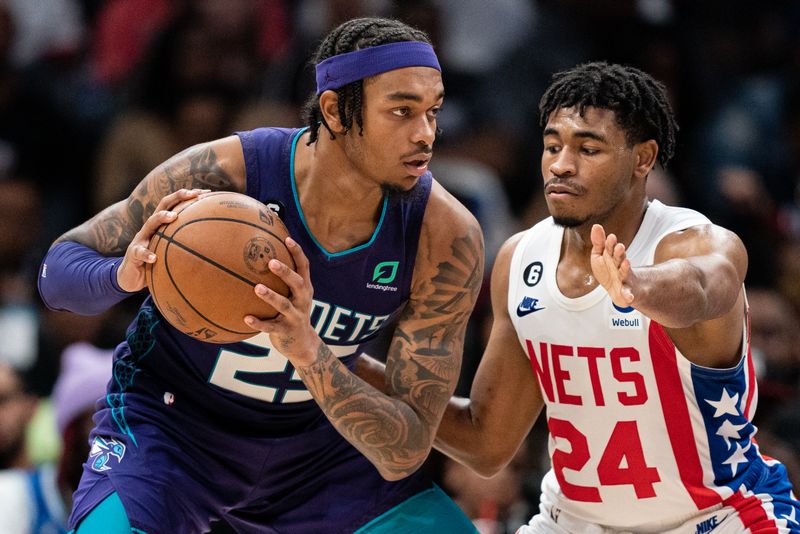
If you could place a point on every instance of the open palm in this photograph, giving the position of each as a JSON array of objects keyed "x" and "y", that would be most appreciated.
[{"x": 610, "y": 266}]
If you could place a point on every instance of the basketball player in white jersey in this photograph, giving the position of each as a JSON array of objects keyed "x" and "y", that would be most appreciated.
[{"x": 627, "y": 320}]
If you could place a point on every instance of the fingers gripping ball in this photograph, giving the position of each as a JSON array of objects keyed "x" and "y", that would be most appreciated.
[{"x": 210, "y": 258}]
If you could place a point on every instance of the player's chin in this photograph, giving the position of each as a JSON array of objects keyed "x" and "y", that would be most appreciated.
[
  {"x": 568, "y": 220},
  {"x": 401, "y": 187}
]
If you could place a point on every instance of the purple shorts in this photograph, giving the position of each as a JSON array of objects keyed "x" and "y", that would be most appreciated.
[{"x": 174, "y": 473}]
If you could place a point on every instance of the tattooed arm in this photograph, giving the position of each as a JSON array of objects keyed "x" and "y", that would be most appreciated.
[
  {"x": 218, "y": 165},
  {"x": 485, "y": 431},
  {"x": 395, "y": 429},
  {"x": 126, "y": 227}
]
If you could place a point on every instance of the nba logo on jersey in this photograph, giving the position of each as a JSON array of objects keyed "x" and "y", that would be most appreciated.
[{"x": 624, "y": 318}]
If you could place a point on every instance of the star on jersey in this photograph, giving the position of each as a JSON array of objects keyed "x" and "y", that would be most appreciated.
[
  {"x": 737, "y": 457},
  {"x": 729, "y": 431},
  {"x": 791, "y": 517},
  {"x": 726, "y": 404}
]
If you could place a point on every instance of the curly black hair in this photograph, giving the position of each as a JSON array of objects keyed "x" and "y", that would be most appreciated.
[
  {"x": 639, "y": 101},
  {"x": 354, "y": 35}
]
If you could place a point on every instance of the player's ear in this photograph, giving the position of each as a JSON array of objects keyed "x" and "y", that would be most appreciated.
[
  {"x": 329, "y": 107},
  {"x": 646, "y": 153}
]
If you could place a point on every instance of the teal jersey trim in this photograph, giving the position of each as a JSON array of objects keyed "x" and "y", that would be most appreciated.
[
  {"x": 125, "y": 370},
  {"x": 117, "y": 403},
  {"x": 328, "y": 254},
  {"x": 429, "y": 512}
]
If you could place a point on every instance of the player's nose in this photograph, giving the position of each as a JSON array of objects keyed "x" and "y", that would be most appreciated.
[
  {"x": 563, "y": 164},
  {"x": 424, "y": 130}
]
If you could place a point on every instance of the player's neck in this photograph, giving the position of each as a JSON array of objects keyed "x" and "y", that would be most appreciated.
[
  {"x": 341, "y": 208},
  {"x": 624, "y": 223},
  {"x": 325, "y": 177}
]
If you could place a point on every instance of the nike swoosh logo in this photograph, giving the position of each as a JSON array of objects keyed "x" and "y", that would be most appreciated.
[{"x": 522, "y": 311}]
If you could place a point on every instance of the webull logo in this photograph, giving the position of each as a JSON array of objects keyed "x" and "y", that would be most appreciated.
[
  {"x": 624, "y": 322},
  {"x": 624, "y": 318}
]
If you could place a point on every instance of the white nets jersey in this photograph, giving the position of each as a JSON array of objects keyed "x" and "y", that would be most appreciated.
[{"x": 640, "y": 438}]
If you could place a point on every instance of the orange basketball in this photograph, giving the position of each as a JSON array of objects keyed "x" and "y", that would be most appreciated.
[{"x": 210, "y": 258}]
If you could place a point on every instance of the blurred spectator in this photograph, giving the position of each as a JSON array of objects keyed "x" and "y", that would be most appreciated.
[
  {"x": 20, "y": 220},
  {"x": 197, "y": 115},
  {"x": 495, "y": 505},
  {"x": 196, "y": 77},
  {"x": 126, "y": 29},
  {"x": 44, "y": 28},
  {"x": 33, "y": 121},
  {"x": 661, "y": 186},
  {"x": 789, "y": 267},
  {"x": 775, "y": 342},
  {"x": 773, "y": 444},
  {"x": 480, "y": 190},
  {"x": 34, "y": 499},
  {"x": 123, "y": 31},
  {"x": 17, "y": 406},
  {"x": 751, "y": 213},
  {"x": 85, "y": 372},
  {"x": 779, "y": 435}
]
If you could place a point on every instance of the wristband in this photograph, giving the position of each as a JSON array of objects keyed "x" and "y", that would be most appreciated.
[{"x": 76, "y": 278}]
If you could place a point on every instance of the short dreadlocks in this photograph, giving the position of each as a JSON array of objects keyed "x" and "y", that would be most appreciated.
[{"x": 639, "y": 102}]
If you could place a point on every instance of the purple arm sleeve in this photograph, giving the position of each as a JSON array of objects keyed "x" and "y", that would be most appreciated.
[{"x": 79, "y": 279}]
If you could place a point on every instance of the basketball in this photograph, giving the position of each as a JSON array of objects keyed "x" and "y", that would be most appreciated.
[{"x": 209, "y": 260}]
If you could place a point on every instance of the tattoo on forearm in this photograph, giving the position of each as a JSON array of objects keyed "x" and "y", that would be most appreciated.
[
  {"x": 458, "y": 283},
  {"x": 374, "y": 424},
  {"x": 422, "y": 368},
  {"x": 112, "y": 230}
]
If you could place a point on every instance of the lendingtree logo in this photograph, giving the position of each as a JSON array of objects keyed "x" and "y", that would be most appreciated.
[{"x": 385, "y": 272}]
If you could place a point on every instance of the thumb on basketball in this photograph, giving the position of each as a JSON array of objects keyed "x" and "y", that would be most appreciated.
[{"x": 131, "y": 272}]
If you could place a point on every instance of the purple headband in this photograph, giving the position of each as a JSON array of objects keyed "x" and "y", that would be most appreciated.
[{"x": 337, "y": 71}]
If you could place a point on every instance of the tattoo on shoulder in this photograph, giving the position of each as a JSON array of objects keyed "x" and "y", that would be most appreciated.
[
  {"x": 441, "y": 315},
  {"x": 206, "y": 173},
  {"x": 112, "y": 230},
  {"x": 432, "y": 332},
  {"x": 194, "y": 168}
]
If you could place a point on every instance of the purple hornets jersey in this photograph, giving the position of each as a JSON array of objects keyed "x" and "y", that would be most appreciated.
[
  {"x": 249, "y": 387},
  {"x": 191, "y": 432}
]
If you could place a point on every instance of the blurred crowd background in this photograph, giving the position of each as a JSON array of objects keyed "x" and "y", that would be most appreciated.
[{"x": 95, "y": 93}]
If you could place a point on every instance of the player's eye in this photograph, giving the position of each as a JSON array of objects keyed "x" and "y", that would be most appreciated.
[
  {"x": 401, "y": 112},
  {"x": 552, "y": 149}
]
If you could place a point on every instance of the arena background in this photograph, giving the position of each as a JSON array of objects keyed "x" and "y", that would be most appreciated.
[{"x": 94, "y": 93}]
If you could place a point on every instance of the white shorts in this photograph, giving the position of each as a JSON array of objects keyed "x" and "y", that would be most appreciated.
[{"x": 723, "y": 520}]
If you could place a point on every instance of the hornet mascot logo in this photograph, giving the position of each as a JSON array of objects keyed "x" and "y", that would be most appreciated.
[{"x": 102, "y": 451}]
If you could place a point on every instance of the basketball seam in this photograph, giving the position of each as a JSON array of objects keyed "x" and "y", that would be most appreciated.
[
  {"x": 178, "y": 289},
  {"x": 171, "y": 240},
  {"x": 228, "y": 219}
]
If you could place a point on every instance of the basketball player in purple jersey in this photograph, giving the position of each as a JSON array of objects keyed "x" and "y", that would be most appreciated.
[
  {"x": 627, "y": 321},
  {"x": 275, "y": 433}
]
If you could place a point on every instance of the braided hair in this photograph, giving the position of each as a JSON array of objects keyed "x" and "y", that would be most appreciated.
[
  {"x": 638, "y": 101},
  {"x": 350, "y": 36}
]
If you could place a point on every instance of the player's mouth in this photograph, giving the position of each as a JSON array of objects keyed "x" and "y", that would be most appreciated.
[
  {"x": 561, "y": 189},
  {"x": 417, "y": 167}
]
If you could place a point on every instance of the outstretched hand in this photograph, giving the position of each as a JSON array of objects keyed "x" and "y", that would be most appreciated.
[
  {"x": 130, "y": 275},
  {"x": 290, "y": 331},
  {"x": 611, "y": 267}
]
